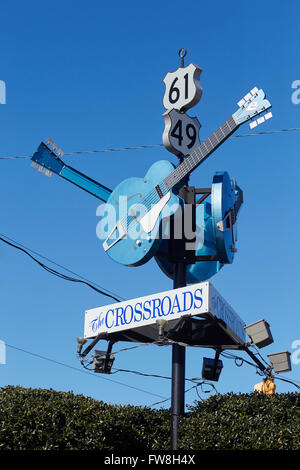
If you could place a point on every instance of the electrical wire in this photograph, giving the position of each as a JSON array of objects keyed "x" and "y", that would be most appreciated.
[
  {"x": 257, "y": 353},
  {"x": 132, "y": 347},
  {"x": 120, "y": 149},
  {"x": 142, "y": 147},
  {"x": 90, "y": 284},
  {"x": 242, "y": 360},
  {"x": 82, "y": 371},
  {"x": 199, "y": 384},
  {"x": 276, "y": 376},
  {"x": 160, "y": 376},
  {"x": 275, "y": 131}
]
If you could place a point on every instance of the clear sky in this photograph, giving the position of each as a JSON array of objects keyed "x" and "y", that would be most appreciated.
[{"x": 90, "y": 76}]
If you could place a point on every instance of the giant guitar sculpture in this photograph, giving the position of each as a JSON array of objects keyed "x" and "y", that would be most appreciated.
[
  {"x": 215, "y": 221},
  {"x": 133, "y": 239}
]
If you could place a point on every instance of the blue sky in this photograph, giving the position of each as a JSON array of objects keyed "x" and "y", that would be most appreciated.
[{"x": 89, "y": 75}]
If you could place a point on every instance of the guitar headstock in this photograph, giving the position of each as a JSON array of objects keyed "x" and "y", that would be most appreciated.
[
  {"x": 253, "y": 104},
  {"x": 46, "y": 158}
]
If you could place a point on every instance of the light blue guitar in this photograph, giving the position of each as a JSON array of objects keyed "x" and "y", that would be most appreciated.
[
  {"x": 137, "y": 206},
  {"x": 215, "y": 221}
]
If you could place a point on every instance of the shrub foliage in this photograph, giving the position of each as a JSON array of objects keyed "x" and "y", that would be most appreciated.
[{"x": 49, "y": 420}]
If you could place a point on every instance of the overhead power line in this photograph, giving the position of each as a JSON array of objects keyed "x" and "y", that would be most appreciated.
[
  {"x": 229, "y": 355},
  {"x": 119, "y": 149},
  {"x": 79, "y": 279},
  {"x": 196, "y": 386},
  {"x": 39, "y": 356},
  {"x": 142, "y": 147}
]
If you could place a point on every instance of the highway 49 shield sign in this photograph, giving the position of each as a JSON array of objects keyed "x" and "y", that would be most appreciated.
[{"x": 181, "y": 134}]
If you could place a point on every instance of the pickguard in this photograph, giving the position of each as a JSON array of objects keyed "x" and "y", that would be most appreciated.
[{"x": 149, "y": 220}]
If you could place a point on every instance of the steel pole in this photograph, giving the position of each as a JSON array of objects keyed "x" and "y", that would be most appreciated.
[
  {"x": 178, "y": 352},
  {"x": 178, "y": 368}
]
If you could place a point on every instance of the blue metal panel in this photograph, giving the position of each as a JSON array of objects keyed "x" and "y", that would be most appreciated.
[
  {"x": 223, "y": 215},
  {"x": 205, "y": 246}
]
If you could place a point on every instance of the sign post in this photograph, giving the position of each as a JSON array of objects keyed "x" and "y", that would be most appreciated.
[
  {"x": 178, "y": 368},
  {"x": 183, "y": 90}
]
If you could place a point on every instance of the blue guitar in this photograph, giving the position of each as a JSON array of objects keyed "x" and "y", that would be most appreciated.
[
  {"x": 215, "y": 220},
  {"x": 137, "y": 206}
]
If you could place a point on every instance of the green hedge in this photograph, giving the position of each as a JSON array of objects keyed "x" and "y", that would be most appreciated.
[{"x": 46, "y": 419}]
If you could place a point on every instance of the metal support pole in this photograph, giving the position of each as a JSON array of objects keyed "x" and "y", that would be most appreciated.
[
  {"x": 178, "y": 368},
  {"x": 178, "y": 352}
]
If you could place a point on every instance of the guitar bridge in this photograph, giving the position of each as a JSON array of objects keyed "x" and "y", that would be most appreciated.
[{"x": 159, "y": 191}]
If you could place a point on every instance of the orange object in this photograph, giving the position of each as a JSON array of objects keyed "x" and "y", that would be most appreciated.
[{"x": 267, "y": 386}]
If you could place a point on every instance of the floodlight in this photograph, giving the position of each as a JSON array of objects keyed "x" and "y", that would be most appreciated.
[
  {"x": 280, "y": 362},
  {"x": 102, "y": 361},
  {"x": 211, "y": 369},
  {"x": 259, "y": 333}
]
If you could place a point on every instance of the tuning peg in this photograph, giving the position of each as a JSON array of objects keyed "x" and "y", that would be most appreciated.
[
  {"x": 241, "y": 103},
  {"x": 252, "y": 124},
  {"x": 254, "y": 91},
  {"x": 260, "y": 120},
  {"x": 55, "y": 147},
  {"x": 34, "y": 165},
  {"x": 41, "y": 169},
  {"x": 247, "y": 97},
  {"x": 256, "y": 123},
  {"x": 48, "y": 173},
  {"x": 268, "y": 115}
]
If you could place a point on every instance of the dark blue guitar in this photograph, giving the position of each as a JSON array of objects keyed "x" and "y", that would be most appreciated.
[{"x": 132, "y": 231}]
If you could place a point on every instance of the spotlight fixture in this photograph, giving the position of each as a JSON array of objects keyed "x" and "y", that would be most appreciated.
[
  {"x": 211, "y": 368},
  {"x": 102, "y": 361},
  {"x": 259, "y": 333},
  {"x": 280, "y": 362}
]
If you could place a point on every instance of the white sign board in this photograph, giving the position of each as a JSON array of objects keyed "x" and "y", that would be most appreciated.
[{"x": 194, "y": 300}]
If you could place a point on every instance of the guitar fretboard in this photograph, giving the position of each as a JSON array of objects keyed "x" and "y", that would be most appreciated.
[{"x": 200, "y": 153}]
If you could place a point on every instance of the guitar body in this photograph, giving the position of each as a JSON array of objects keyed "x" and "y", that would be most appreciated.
[{"x": 125, "y": 238}]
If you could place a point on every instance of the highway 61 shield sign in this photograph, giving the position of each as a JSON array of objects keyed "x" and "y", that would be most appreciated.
[{"x": 183, "y": 89}]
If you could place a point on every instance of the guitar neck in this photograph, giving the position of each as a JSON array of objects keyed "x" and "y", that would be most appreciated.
[
  {"x": 85, "y": 182},
  {"x": 45, "y": 158},
  {"x": 201, "y": 153}
]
